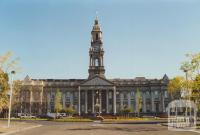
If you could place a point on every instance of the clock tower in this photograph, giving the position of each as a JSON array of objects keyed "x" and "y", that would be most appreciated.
[{"x": 96, "y": 52}]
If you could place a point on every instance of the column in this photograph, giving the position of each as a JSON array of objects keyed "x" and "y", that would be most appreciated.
[
  {"x": 107, "y": 101},
  {"x": 152, "y": 102},
  {"x": 71, "y": 99},
  {"x": 163, "y": 101},
  {"x": 129, "y": 99},
  {"x": 92, "y": 101},
  {"x": 63, "y": 99},
  {"x": 93, "y": 62},
  {"x": 86, "y": 104},
  {"x": 48, "y": 102},
  {"x": 79, "y": 100},
  {"x": 114, "y": 100},
  {"x": 121, "y": 100},
  {"x": 100, "y": 101},
  {"x": 144, "y": 102},
  {"x": 102, "y": 61},
  {"x": 136, "y": 102},
  {"x": 21, "y": 100},
  {"x": 31, "y": 94},
  {"x": 41, "y": 95}
]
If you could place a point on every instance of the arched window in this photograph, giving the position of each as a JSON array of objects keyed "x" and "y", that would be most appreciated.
[{"x": 96, "y": 62}]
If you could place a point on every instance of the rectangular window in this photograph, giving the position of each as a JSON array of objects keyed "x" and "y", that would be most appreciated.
[{"x": 132, "y": 93}]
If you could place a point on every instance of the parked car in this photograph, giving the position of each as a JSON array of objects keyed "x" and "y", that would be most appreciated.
[
  {"x": 44, "y": 116},
  {"x": 27, "y": 116},
  {"x": 61, "y": 115}
]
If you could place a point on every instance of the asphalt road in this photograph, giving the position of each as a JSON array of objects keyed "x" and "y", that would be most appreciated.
[{"x": 62, "y": 128}]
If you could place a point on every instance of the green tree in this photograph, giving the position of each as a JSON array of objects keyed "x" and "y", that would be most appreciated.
[
  {"x": 69, "y": 111},
  {"x": 196, "y": 91},
  {"x": 174, "y": 87},
  {"x": 57, "y": 102},
  {"x": 138, "y": 102},
  {"x": 126, "y": 111},
  {"x": 192, "y": 69},
  {"x": 4, "y": 87},
  {"x": 195, "y": 62}
]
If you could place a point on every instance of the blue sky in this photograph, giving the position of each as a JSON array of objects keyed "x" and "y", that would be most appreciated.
[{"x": 141, "y": 37}]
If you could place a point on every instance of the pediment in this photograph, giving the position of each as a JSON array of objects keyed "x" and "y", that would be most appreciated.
[{"x": 97, "y": 81}]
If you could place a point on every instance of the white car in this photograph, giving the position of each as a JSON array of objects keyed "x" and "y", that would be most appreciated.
[{"x": 28, "y": 116}]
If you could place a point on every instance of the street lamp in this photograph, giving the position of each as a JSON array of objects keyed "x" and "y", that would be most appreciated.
[
  {"x": 11, "y": 89},
  {"x": 187, "y": 87}
]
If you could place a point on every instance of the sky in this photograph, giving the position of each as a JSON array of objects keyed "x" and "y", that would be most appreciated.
[{"x": 142, "y": 38}]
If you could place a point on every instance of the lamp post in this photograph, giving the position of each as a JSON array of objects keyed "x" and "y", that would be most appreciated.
[
  {"x": 187, "y": 88},
  {"x": 10, "y": 103}
]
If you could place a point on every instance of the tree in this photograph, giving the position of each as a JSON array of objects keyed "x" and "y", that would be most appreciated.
[
  {"x": 138, "y": 102},
  {"x": 6, "y": 65},
  {"x": 126, "y": 111},
  {"x": 196, "y": 91},
  {"x": 4, "y": 87},
  {"x": 17, "y": 87},
  {"x": 174, "y": 87},
  {"x": 57, "y": 102},
  {"x": 192, "y": 69},
  {"x": 187, "y": 68},
  {"x": 69, "y": 111},
  {"x": 195, "y": 62}
]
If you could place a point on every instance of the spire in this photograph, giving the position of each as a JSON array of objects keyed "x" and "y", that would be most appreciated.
[
  {"x": 96, "y": 26},
  {"x": 96, "y": 20}
]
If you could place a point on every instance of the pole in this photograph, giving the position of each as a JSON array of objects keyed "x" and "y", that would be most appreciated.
[
  {"x": 186, "y": 76},
  {"x": 10, "y": 103}
]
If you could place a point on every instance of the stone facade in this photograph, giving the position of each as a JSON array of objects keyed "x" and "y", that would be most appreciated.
[{"x": 112, "y": 95}]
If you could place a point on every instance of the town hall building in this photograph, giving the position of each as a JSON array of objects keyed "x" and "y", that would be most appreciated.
[{"x": 84, "y": 95}]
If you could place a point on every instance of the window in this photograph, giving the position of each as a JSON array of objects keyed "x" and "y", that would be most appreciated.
[
  {"x": 132, "y": 93},
  {"x": 67, "y": 94},
  {"x": 96, "y": 62},
  {"x": 125, "y": 95}
]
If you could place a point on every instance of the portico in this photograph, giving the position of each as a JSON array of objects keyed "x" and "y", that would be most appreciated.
[{"x": 97, "y": 88}]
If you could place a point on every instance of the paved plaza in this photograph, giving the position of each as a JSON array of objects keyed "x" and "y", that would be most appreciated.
[{"x": 93, "y": 128}]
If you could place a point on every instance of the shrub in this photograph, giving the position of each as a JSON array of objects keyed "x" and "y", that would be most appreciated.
[{"x": 69, "y": 111}]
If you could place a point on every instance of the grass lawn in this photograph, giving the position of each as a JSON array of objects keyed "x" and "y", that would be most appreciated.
[
  {"x": 138, "y": 119},
  {"x": 73, "y": 120},
  {"x": 24, "y": 119}
]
